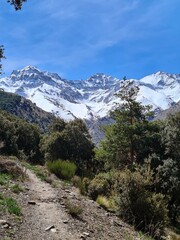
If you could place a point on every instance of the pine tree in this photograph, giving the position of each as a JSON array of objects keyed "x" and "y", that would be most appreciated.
[{"x": 126, "y": 140}]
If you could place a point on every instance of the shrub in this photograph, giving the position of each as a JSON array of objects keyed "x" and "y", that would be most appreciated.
[
  {"x": 85, "y": 186},
  {"x": 5, "y": 178},
  {"x": 12, "y": 206},
  {"x": 76, "y": 180},
  {"x": 82, "y": 184},
  {"x": 73, "y": 209},
  {"x": 136, "y": 205},
  {"x": 103, "y": 202},
  {"x": 62, "y": 169},
  {"x": 9, "y": 204},
  {"x": 100, "y": 185},
  {"x": 16, "y": 188}
]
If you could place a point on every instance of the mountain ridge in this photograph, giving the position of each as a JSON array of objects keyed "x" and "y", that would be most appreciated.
[
  {"x": 89, "y": 99},
  {"x": 25, "y": 109}
]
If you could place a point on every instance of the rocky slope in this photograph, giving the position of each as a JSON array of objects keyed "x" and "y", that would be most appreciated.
[{"x": 172, "y": 110}]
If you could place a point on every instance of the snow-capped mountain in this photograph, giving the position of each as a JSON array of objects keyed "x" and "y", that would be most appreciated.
[{"x": 89, "y": 99}]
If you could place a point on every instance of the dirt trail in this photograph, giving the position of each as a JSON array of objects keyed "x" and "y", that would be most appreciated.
[
  {"x": 45, "y": 213},
  {"x": 94, "y": 223}
]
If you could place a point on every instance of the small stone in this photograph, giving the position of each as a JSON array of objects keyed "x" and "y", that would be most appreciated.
[
  {"x": 6, "y": 226},
  {"x": 32, "y": 202},
  {"x": 117, "y": 223},
  {"x": 66, "y": 190},
  {"x": 86, "y": 234},
  {"x": 53, "y": 230},
  {"x": 64, "y": 197},
  {"x": 65, "y": 221},
  {"x": 49, "y": 228},
  {"x": 72, "y": 194},
  {"x": 3, "y": 222}
]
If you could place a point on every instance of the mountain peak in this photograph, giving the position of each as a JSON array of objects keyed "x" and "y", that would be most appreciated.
[
  {"x": 160, "y": 78},
  {"x": 26, "y": 70},
  {"x": 91, "y": 98},
  {"x": 30, "y": 68},
  {"x": 160, "y": 73},
  {"x": 101, "y": 79}
]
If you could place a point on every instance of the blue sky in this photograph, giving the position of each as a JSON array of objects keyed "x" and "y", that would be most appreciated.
[{"x": 77, "y": 38}]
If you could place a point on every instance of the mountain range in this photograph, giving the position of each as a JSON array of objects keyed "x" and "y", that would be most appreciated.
[{"x": 90, "y": 99}]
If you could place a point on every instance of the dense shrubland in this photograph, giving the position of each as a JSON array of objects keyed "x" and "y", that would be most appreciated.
[
  {"x": 142, "y": 159},
  {"x": 135, "y": 171}
]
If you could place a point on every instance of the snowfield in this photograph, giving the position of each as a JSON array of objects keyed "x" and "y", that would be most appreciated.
[{"x": 88, "y": 99}]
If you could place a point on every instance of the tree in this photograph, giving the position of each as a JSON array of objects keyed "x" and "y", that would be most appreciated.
[
  {"x": 18, "y": 136},
  {"x": 7, "y": 135},
  {"x": 17, "y": 5},
  {"x": 171, "y": 137},
  {"x": 80, "y": 146},
  {"x": 28, "y": 139},
  {"x": 131, "y": 138},
  {"x": 168, "y": 183},
  {"x": 169, "y": 171},
  {"x": 58, "y": 125},
  {"x": 1, "y": 57},
  {"x": 69, "y": 141}
]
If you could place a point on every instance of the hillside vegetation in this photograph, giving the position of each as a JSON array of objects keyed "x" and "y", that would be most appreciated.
[
  {"x": 134, "y": 173},
  {"x": 25, "y": 109}
]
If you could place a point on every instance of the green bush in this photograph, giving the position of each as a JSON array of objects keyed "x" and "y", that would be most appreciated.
[
  {"x": 100, "y": 185},
  {"x": 62, "y": 169},
  {"x": 138, "y": 206}
]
